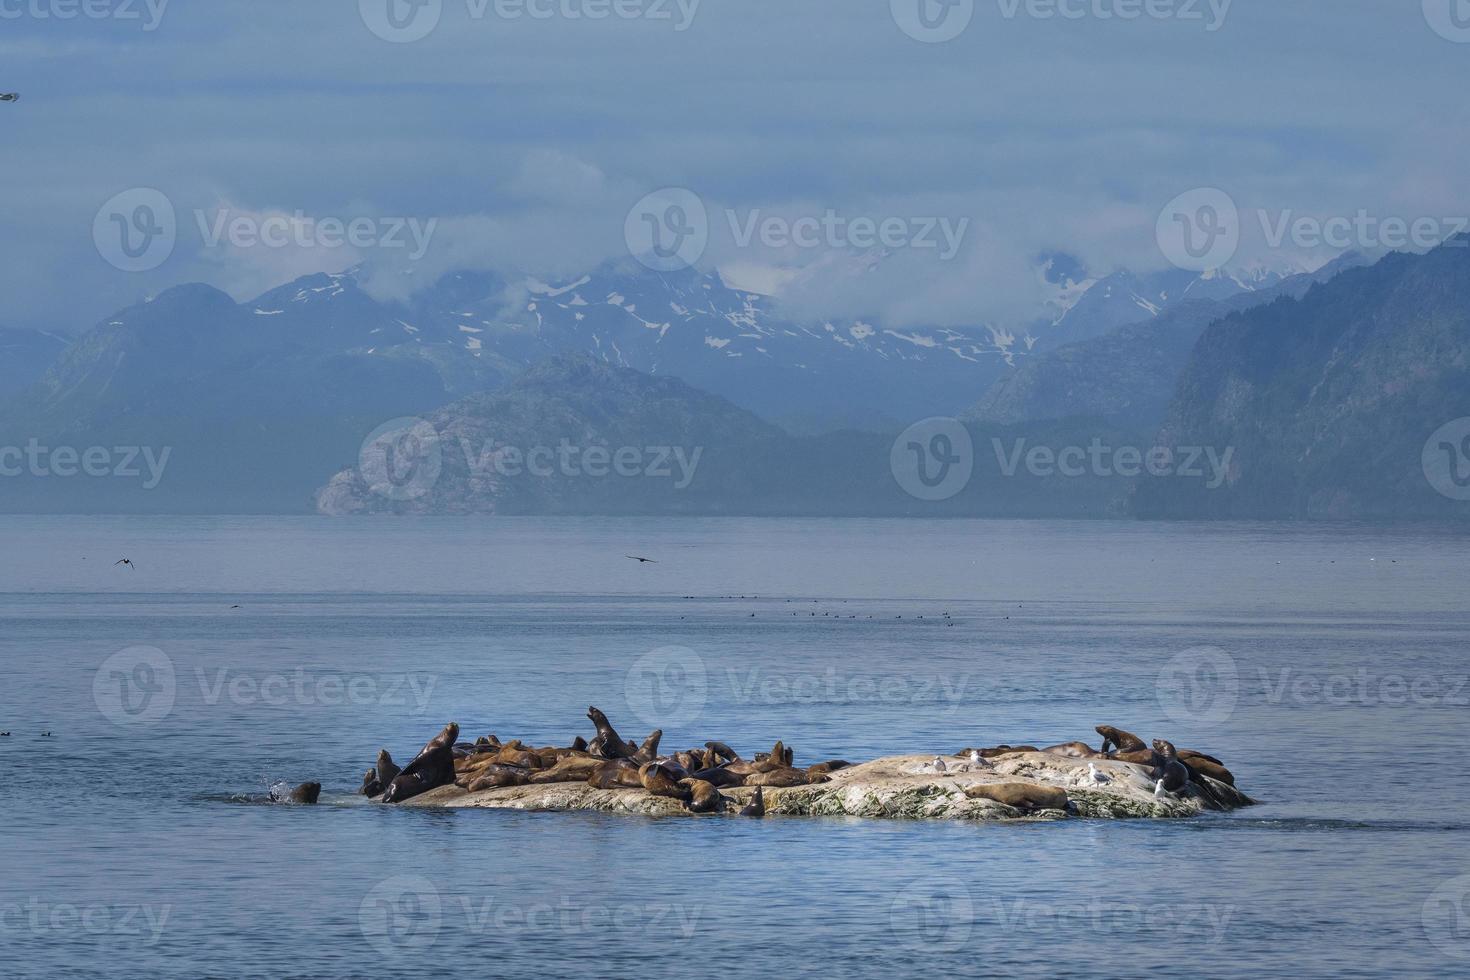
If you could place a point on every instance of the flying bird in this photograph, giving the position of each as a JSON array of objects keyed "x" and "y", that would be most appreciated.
[
  {"x": 125, "y": 561},
  {"x": 9, "y": 96},
  {"x": 641, "y": 561}
]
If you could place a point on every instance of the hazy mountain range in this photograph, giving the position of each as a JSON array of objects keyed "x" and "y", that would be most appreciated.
[{"x": 264, "y": 405}]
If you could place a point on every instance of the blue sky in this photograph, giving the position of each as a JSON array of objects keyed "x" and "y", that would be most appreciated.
[{"x": 526, "y": 140}]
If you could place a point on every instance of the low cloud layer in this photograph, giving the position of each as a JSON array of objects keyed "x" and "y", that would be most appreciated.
[{"x": 816, "y": 135}]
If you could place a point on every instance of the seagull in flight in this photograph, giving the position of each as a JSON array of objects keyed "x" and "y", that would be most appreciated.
[
  {"x": 125, "y": 561},
  {"x": 641, "y": 561}
]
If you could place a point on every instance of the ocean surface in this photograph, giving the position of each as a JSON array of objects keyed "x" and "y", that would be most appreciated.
[{"x": 1327, "y": 666}]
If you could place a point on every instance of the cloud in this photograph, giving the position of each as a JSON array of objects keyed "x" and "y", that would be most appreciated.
[{"x": 529, "y": 139}]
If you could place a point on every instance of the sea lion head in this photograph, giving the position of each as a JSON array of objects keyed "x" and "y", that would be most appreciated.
[{"x": 1165, "y": 749}]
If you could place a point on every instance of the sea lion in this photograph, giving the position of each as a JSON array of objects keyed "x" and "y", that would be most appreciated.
[
  {"x": 570, "y": 769},
  {"x": 430, "y": 769},
  {"x": 779, "y": 757},
  {"x": 1026, "y": 797},
  {"x": 719, "y": 777},
  {"x": 662, "y": 780},
  {"x": 1203, "y": 765},
  {"x": 781, "y": 776},
  {"x": 703, "y": 797},
  {"x": 999, "y": 750},
  {"x": 516, "y": 757},
  {"x": 688, "y": 761},
  {"x": 674, "y": 766},
  {"x": 370, "y": 784},
  {"x": 1073, "y": 750},
  {"x": 386, "y": 768},
  {"x": 757, "y": 805},
  {"x": 1173, "y": 773},
  {"x": 830, "y": 766},
  {"x": 723, "y": 751},
  {"x": 579, "y": 743},
  {"x": 306, "y": 794},
  {"x": 648, "y": 751},
  {"x": 608, "y": 743},
  {"x": 493, "y": 777},
  {"x": 1120, "y": 740},
  {"x": 617, "y": 774},
  {"x": 1139, "y": 757}
]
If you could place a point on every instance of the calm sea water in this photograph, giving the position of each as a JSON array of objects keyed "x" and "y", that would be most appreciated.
[{"x": 1326, "y": 666}]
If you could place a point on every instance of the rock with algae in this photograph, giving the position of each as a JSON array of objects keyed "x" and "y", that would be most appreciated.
[{"x": 897, "y": 787}]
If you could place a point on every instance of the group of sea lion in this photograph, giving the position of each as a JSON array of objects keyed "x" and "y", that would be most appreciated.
[
  {"x": 1172, "y": 770},
  {"x": 694, "y": 777}
]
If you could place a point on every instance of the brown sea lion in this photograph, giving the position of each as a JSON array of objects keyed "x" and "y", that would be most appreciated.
[
  {"x": 1203, "y": 765},
  {"x": 579, "y": 743},
  {"x": 1139, "y": 757},
  {"x": 370, "y": 784},
  {"x": 719, "y": 777},
  {"x": 1000, "y": 750},
  {"x": 386, "y": 769},
  {"x": 430, "y": 769},
  {"x": 831, "y": 765},
  {"x": 689, "y": 761},
  {"x": 723, "y": 751},
  {"x": 703, "y": 798},
  {"x": 306, "y": 794},
  {"x": 1027, "y": 797},
  {"x": 781, "y": 776},
  {"x": 1073, "y": 750},
  {"x": 662, "y": 780},
  {"x": 570, "y": 769},
  {"x": 774, "y": 759},
  {"x": 757, "y": 805},
  {"x": 516, "y": 757},
  {"x": 1119, "y": 740},
  {"x": 1187, "y": 754},
  {"x": 1172, "y": 773},
  {"x": 497, "y": 776},
  {"x": 616, "y": 774},
  {"x": 608, "y": 743},
  {"x": 648, "y": 751}
]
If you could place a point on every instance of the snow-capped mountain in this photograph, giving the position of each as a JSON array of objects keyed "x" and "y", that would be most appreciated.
[
  {"x": 1084, "y": 306},
  {"x": 688, "y": 324},
  {"x": 263, "y": 400}
]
